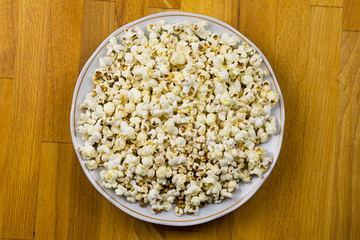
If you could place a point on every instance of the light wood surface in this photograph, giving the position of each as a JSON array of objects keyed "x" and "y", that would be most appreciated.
[{"x": 314, "y": 190}]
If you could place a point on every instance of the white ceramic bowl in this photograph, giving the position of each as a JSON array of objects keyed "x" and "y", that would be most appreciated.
[{"x": 211, "y": 211}]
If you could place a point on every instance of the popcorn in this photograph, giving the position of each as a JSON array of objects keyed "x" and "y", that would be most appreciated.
[
  {"x": 225, "y": 99},
  {"x": 146, "y": 150},
  {"x": 140, "y": 170},
  {"x": 127, "y": 131},
  {"x": 153, "y": 195},
  {"x": 179, "y": 211},
  {"x": 147, "y": 161},
  {"x": 211, "y": 119},
  {"x": 167, "y": 206},
  {"x": 105, "y": 61},
  {"x": 109, "y": 108},
  {"x": 271, "y": 126},
  {"x": 226, "y": 39},
  {"x": 180, "y": 142},
  {"x": 134, "y": 95},
  {"x": 223, "y": 75},
  {"x": 113, "y": 163},
  {"x": 175, "y": 117},
  {"x": 88, "y": 151},
  {"x": 273, "y": 97},
  {"x": 193, "y": 189},
  {"x": 246, "y": 79},
  {"x": 176, "y": 160},
  {"x": 195, "y": 201},
  {"x": 177, "y": 58},
  {"x": 92, "y": 164},
  {"x": 161, "y": 172},
  {"x": 95, "y": 137}
]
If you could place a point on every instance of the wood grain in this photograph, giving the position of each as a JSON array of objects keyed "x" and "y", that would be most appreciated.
[
  {"x": 159, "y": 10},
  {"x": 5, "y": 100},
  {"x": 216, "y": 9},
  {"x": 346, "y": 187},
  {"x": 324, "y": 57},
  {"x": 148, "y": 231},
  {"x": 351, "y": 19},
  {"x": 63, "y": 62},
  {"x": 55, "y": 193},
  {"x": 22, "y": 149},
  {"x": 312, "y": 193},
  {"x": 217, "y": 229},
  {"x": 172, "y": 4},
  {"x": 130, "y": 10},
  {"x": 198, "y": 6},
  {"x": 8, "y": 37},
  {"x": 291, "y": 66},
  {"x": 261, "y": 16},
  {"x": 251, "y": 216},
  {"x": 64, "y": 207},
  {"x": 5, "y": 114},
  {"x": 99, "y": 20},
  {"x": 328, "y": 3}
]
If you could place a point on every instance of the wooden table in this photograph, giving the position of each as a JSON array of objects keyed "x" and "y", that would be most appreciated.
[{"x": 314, "y": 190}]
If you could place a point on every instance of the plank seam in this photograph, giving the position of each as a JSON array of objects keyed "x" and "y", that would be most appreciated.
[
  {"x": 182, "y": 230},
  {"x": 313, "y": 5},
  {"x": 6, "y": 78},
  {"x": 238, "y": 25},
  {"x": 164, "y": 8},
  {"x": 346, "y": 30},
  {"x": 37, "y": 198},
  {"x": 15, "y": 239},
  {"x": 101, "y": 0},
  {"x": 56, "y": 142}
]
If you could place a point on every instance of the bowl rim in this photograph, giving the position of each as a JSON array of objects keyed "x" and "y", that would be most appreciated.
[{"x": 144, "y": 217}]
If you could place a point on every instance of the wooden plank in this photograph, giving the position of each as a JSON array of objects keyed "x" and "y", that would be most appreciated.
[
  {"x": 222, "y": 10},
  {"x": 63, "y": 59},
  {"x": 69, "y": 207},
  {"x": 130, "y": 10},
  {"x": 6, "y": 87},
  {"x": 220, "y": 228},
  {"x": 57, "y": 167},
  {"x": 345, "y": 208},
  {"x": 216, "y": 9},
  {"x": 249, "y": 219},
  {"x": 148, "y": 231},
  {"x": 258, "y": 23},
  {"x": 291, "y": 61},
  {"x": 198, "y": 6},
  {"x": 18, "y": 196},
  {"x": 99, "y": 20},
  {"x": 351, "y": 17},
  {"x": 111, "y": 216},
  {"x": 175, "y": 4},
  {"x": 311, "y": 52},
  {"x": 8, "y": 37},
  {"x": 321, "y": 99}
]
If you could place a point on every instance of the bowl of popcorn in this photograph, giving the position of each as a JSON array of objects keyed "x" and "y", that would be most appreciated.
[{"x": 177, "y": 118}]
